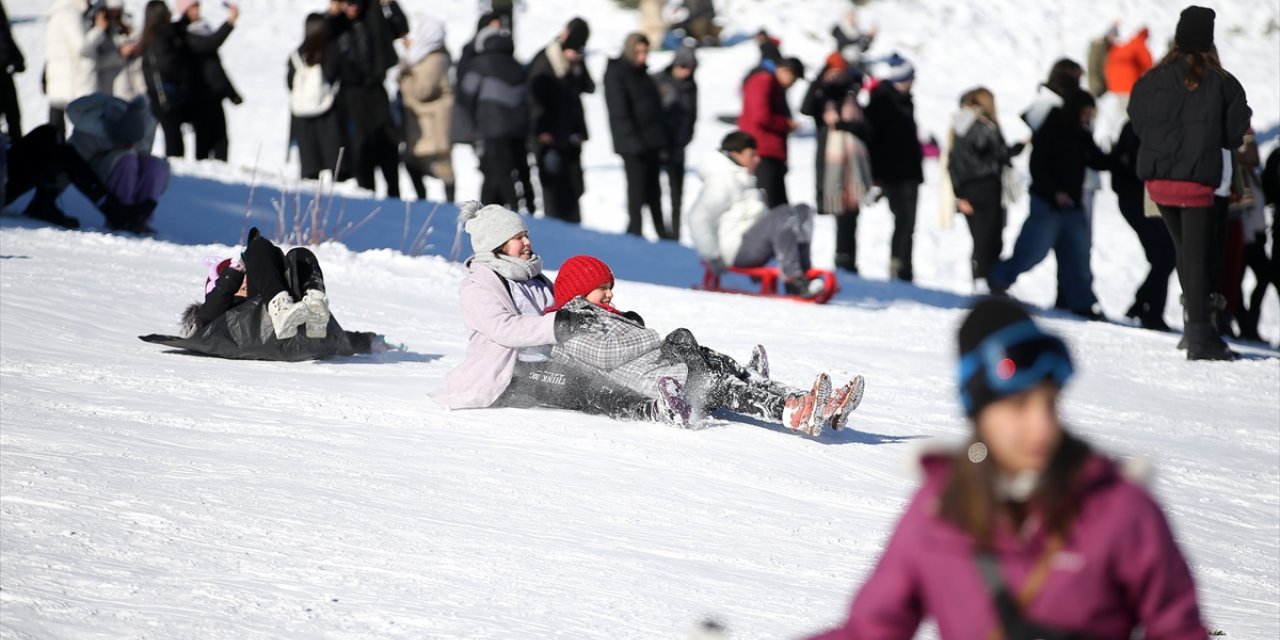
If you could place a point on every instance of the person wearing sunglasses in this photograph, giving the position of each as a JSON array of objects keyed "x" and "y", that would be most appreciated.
[{"x": 1027, "y": 531}]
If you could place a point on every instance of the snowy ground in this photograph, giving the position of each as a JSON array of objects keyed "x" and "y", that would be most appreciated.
[{"x": 159, "y": 495}]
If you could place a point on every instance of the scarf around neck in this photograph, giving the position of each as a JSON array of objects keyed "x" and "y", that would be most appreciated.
[{"x": 510, "y": 268}]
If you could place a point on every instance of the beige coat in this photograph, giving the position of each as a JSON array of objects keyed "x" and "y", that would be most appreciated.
[{"x": 428, "y": 104}]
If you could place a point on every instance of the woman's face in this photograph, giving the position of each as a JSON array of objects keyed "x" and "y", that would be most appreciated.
[
  {"x": 602, "y": 294},
  {"x": 518, "y": 246},
  {"x": 1021, "y": 431}
]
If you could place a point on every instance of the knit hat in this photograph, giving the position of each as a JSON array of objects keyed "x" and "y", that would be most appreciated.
[
  {"x": 579, "y": 276},
  {"x": 686, "y": 56},
  {"x": 184, "y": 5},
  {"x": 1003, "y": 352},
  {"x": 896, "y": 69},
  {"x": 837, "y": 61},
  {"x": 490, "y": 227},
  {"x": 1195, "y": 30},
  {"x": 576, "y": 35}
]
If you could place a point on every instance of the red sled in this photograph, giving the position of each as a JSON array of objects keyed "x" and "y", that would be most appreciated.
[{"x": 769, "y": 278}]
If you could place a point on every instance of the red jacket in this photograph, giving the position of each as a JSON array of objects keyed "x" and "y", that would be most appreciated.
[
  {"x": 765, "y": 114},
  {"x": 1126, "y": 63}
]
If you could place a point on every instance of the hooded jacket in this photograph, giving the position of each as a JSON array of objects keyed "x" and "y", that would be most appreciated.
[
  {"x": 635, "y": 108},
  {"x": 1126, "y": 63},
  {"x": 93, "y": 116},
  {"x": 493, "y": 91},
  {"x": 69, "y": 70},
  {"x": 765, "y": 114},
  {"x": 979, "y": 150},
  {"x": 728, "y": 205},
  {"x": 1119, "y": 569}
]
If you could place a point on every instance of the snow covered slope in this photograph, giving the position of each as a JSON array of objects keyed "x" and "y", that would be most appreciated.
[{"x": 160, "y": 495}]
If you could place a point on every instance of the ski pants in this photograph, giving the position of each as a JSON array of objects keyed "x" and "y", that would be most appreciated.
[
  {"x": 552, "y": 385},
  {"x": 717, "y": 381},
  {"x": 271, "y": 271},
  {"x": 779, "y": 234}
]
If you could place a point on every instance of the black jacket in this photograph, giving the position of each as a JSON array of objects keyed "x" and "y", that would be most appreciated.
[
  {"x": 1061, "y": 152},
  {"x": 978, "y": 151},
  {"x": 635, "y": 108},
  {"x": 493, "y": 93},
  {"x": 211, "y": 82},
  {"x": 555, "y": 104},
  {"x": 1183, "y": 132},
  {"x": 679, "y": 107},
  {"x": 896, "y": 155},
  {"x": 167, "y": 67},
  {"x": 11, "y": 60},
  {"x": 1124, "y": 164}
]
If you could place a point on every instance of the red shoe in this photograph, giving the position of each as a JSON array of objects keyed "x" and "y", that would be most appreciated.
[
  {"x": 806, "y": 413},
  {"x": 843, "y": 401}
]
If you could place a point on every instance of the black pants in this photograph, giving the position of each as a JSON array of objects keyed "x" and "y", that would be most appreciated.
[
  {"x": 902, "y": 202},
  {"x": 524, "y": 175},
  {"x": 271, "y": 271},
  {"x": 771, "y": 177},
  {"x": 1157, "y": 246},
  {"x": 38, "y": 161},
  {"x": 560, "y": 172},
  {"x": 10, "y": 107},
  {"x": 986, "y": 225},
  {"x": 1197, "y": 236},
  {"x": 319, "y": 140},
  {"x": 378, "y": 151},
  {"x": 717, "y": 381},
  {"x": 171, "y": 124},
  {"x": 58, "y": 120},
  {"x": 210, "y": 123},
  {"x": 644, "y": 189},
  {"x": 498, "y": 164},
  {"x": 847, "y": 241},
  {"x": 553, "y": 386},
  {"x": 674, "y": 168}
]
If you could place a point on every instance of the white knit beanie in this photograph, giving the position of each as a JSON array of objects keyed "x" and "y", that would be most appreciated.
[{"x": 490, "y": 227}]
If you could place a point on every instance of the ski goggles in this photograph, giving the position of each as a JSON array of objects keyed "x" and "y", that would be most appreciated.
[{"x": 1013, "y": 360}]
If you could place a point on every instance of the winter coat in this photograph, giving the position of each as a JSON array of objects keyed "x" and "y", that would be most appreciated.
[
  {"x": 1126, "y": 63},
  {"x": 428, "y": 105},
  {"x": 168, "y": 64},
  {"x": 11, "y": 59},
  {"x": 496, "y": 333},
  {"x": 90, "y": 138},
  {"x": 979, "y": 150},
  {"x": 1184, "y": 132},
  {"x": 1097, "y": 61},
  {"x": 635, "y": 108},
  {"x": 679, "y": 107},
  {"x": 623, "y": 351},
  {"x": 494, "y": 92},
  {"x": 1061, "y": 152},
  {"x": 69, "y": 71},
  {"x": 211, "y": 83},
  {"x": 1124, "y": 164},
  {"x": 765, "y": 114},
  {"x": 822, "y": 96},
  {"x": 728, "y": 205},
  {"x": 102, "y": 46},
  {"x": 1046, "y": 100},
  {"x": 1119, "y": 569},
  {"x": 896, "y": 154},
  {"x": 555, "y": 95}
]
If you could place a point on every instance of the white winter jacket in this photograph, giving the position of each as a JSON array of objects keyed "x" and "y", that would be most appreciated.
[
  {"x": 69, "y": 73},
  {"x": 727, "y": 207}
]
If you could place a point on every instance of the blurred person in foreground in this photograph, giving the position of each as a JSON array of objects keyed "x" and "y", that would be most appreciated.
[{"x": 1028, "y": 532}]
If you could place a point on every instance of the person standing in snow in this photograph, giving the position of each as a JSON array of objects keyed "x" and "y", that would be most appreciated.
[
  {"x": 1189, "y": 113},
  {"x": 1061, "y": 151},
  {"x": 11, "y": 63},
  {"x": 1099, "y": 49},
  {"x": 508, "y": 360},
  {"x": 1028, "y": 532},
  {"x": 1157, "y": 246},
  {"x": 494, "y": 94},
  {"x": 978, "y": 160},
  {"x": 628, "y": 353},
  {"x": 852, "y": 41},
  {"x": 558, "y": 78},
  {"x": 1126, "y": 63},
  {"x": 211, "y": 85},
  {"x": 843, "y": 174},
  {"x": 767, "y": 117},
  {"x": 679, "y": 93},
  {"x": 731, "y": 226},
  {"x": 69, "y": 71},
  {"x": 316, "y": 120},
  {"x": 166, "y": 66},
  {"x": 427, "y": 94},
  {"x": 639, "y": 135},
  {"x": 896, "y": 156}
]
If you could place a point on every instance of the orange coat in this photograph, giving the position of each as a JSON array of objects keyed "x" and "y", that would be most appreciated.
[{"x": 1126, "y": 63}]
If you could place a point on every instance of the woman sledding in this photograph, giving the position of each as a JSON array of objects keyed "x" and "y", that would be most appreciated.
[{"x": 267, "y": 306}]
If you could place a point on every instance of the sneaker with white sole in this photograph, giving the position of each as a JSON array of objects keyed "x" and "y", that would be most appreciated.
[
  {"x": 806, "y": 412},
  {"x": 843, "y": 401},
  {"x": 286, "y": 315},
  {"x": 759, "y": 362},
  {"x": 318, "y": 313},
  {"x": 671, "y": 406}
]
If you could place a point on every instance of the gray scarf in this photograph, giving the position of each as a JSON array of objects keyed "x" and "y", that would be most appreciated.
[{"x": 513, "y": 269}]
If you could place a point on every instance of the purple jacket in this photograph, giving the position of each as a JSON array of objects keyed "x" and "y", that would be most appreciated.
[
  {"x": 498, "y": 331},
  {"x": 1119, "y": 569}
]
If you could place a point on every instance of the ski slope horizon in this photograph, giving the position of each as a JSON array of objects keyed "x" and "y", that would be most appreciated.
[{"x": 145, "y": 493}]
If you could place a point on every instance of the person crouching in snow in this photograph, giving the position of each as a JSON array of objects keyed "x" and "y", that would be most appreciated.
[
  {"x": 508, "y": 361},
  {"x": 731, "y": 226},
  {"x": 267, "y": 306},
  {"x": 627, "y": 353},
  {"x": 1027, "y": 532},
  {"x": 112, "y": 136}
]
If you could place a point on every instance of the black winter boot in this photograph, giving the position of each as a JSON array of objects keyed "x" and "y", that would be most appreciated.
[
  {"x": 1204, "y": 343},
  {"x": 127, "y": 217},
  {"x": 44, "y": 206}
]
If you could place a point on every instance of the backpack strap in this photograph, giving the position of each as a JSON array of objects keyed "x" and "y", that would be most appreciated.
[{"x": 1008, "y": 609}]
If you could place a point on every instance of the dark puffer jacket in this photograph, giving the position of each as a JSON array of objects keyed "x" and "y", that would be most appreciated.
[
  {"x": 556, "y": 101},
  {"x": 896, "y": 155},
  {"x": 979, "y": 150},
  {"x": 1183, "y": 132},
  {"x": 680, "y": 106},
  {"x": 1061, "y": 151},
  {"x": 493, "y": 93},
  {"x": 635, "y": 108}
]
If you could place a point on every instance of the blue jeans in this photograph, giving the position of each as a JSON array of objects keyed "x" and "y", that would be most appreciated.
[{"x": 1066, "y": 231}]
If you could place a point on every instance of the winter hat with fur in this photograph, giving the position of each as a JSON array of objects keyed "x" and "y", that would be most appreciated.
[
  {"x": 897, "y": 69},
  {"x": 579, "y": 276},
  {"x": 490, "y": 226},
  {"x": 1195, "y": 29}
]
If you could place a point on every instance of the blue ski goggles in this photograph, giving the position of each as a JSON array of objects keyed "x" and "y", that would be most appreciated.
[{"x": 1012, "y": 360}]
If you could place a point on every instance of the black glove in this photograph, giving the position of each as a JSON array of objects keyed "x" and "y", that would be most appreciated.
[
  {"x": 634, "y": 317},
  {"x": 569, "y": 323}
]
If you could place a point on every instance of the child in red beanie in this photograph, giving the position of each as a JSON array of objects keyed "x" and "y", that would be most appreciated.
[{"x": 627, "y": 353}]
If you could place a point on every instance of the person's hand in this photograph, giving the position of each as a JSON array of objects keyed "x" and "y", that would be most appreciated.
[
  {"x": 546, "y": 139},
  {"x": 233, "y": 14},
  {"x": 100, "y": 19},
  {"x": 130, "y": 50},
  {"x": 718, "y": 266},
  {"x": 964, "y": 206},
  {"x": 793, "y": 124},
  {"x": 1063, "y": 200},
  {"x": 569, "y": 323}
]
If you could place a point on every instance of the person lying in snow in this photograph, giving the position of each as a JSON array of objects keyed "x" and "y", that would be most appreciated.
[
  {"x": 508, "y": 361},
  {"x": 627, "y": 353},
  {"x": 267, "y": 306}
]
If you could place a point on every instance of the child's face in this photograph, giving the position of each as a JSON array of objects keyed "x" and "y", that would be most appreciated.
[
  {"x": 602, "y": 294},
  {"x": 243, "y": 291}
]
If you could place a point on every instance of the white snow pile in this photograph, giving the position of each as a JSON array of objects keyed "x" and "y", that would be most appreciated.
[{"x": 152, "y": 494}]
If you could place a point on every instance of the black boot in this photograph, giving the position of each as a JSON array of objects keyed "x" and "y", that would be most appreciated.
[
  {"x": 1204, "y": 343},
  {"x": 44, "y": 206},
  {"x": 127, "y": 217},
  {"x": 1147, "y": 317}
]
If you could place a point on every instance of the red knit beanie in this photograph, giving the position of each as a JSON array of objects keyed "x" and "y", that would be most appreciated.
[{"x": 579, "y": 276}]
